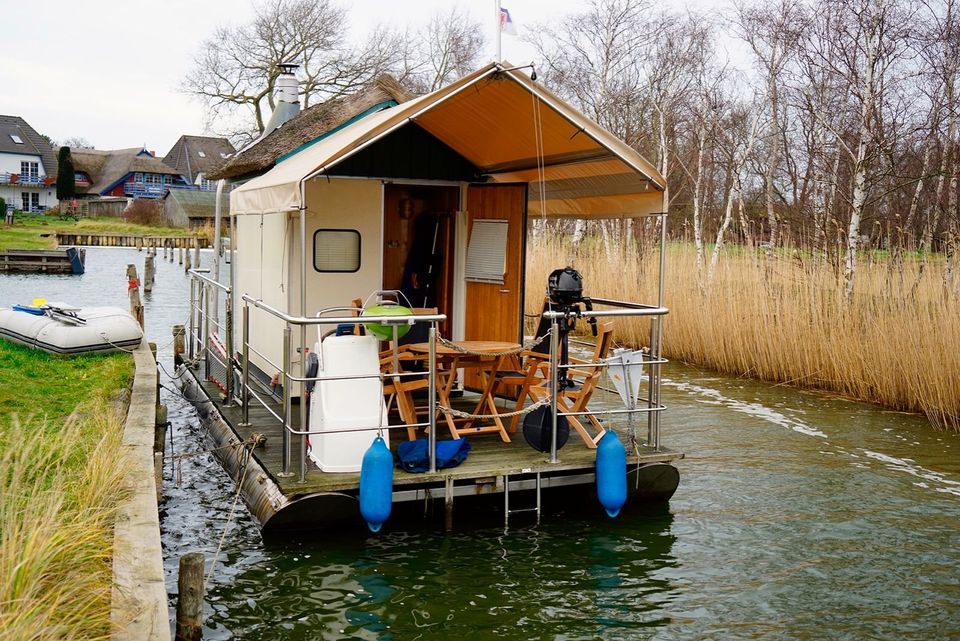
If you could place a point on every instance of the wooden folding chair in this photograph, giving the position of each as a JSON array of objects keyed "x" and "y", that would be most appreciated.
[{"x": 575, "y": 399}]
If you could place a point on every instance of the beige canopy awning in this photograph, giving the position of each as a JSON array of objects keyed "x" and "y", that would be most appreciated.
[{"x": 511, "y": 129}]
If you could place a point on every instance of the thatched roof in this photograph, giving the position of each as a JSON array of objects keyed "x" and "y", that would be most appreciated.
[
  {"x": 33, "y": 144},
  {"x": 107, "y": 167},
  {"x": 192, "y": 155},
  {"x": 196, "y": 203},
  {"x": 309, "y": 125}
]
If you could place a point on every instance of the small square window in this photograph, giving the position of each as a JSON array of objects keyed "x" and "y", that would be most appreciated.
[
  {"x": 16, "y": 139},
  {"x": 336, "y": 250}
]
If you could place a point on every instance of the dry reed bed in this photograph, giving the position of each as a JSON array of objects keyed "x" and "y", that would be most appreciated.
[
  {"x": 58, "y": 497},
  {"x": 784, "y": 320}
]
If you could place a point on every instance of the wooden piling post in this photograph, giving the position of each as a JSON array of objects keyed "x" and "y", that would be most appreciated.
[
  {"x": 133, "y": 289},
  {"x": 180, "y": 261},
  {"x": 158, "y": 475},
  {"x": 190, "y": 598},
  {"x": 186, "y": 262},
  {"x": 148, "y": 272},
  {"x": 196, "y": 252},
  {"x": 179, "y": 343},
  {"x": 138, "y": 243}
]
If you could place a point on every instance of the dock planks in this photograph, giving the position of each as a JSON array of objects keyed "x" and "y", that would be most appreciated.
[{"x": 489, "y": 456}]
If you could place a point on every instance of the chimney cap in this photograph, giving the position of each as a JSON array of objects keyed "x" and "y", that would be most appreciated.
[{"x": 288, "y": 67}]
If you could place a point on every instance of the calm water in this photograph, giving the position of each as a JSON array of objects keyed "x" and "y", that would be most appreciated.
[{"x": 798, "y": 516}]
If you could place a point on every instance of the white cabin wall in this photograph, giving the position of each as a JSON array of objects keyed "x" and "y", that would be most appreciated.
[
  {"x": 261, "y": 264},
  {"x": 339, "y": 204}
]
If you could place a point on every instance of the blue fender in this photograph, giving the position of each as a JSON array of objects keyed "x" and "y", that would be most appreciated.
[
  {"x": 376, "y": 484},
  {"x": 611, "y": 473}
]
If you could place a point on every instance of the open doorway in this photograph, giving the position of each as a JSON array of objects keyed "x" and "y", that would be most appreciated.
[{"x": 418, "y": 244}]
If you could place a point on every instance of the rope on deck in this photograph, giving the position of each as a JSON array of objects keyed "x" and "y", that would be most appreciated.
[
  {"x": 527, "y": 345},
  {"x": 458, "y": 414}
]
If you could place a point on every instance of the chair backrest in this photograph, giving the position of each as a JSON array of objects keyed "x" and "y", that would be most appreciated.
[
  {"x": 604, "y": 341},
  {"x": 602, "y": 347}
]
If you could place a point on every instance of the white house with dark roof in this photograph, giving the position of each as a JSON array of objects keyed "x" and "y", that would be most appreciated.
[{"x": 28, "y": 167}]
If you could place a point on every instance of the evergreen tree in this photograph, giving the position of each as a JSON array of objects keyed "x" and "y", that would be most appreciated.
[{"x": 66, "y": 181}]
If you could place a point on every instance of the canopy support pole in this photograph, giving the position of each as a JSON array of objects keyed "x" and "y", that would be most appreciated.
[{"x": 303, "y": 330}]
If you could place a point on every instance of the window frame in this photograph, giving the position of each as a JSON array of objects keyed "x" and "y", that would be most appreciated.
[{"x": 337, "y": 271}]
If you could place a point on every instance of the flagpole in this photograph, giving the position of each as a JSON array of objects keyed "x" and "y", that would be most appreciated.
[{"x": 496, "y": 9}]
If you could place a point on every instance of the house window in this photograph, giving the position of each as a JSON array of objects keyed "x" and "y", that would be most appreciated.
[
  {"x": 24, "y": 201},
  {"x": 35, "y": 201},
  {"x": 153, "y": 179},
  {"x": 336, "y": 250},
  {"x": 29, "y": 169},
  {"x": 138, "y": 178},
  {"x": 16, "y": 139}
]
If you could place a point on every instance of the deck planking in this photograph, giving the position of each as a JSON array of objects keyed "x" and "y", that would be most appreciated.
[{"x": 489, "y": 456}]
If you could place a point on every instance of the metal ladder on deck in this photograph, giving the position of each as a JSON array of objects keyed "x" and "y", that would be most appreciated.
[{"x": 506, "y": 501}]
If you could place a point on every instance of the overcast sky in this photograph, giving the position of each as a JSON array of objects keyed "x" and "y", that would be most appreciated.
[{"x": 109, "y": 70}]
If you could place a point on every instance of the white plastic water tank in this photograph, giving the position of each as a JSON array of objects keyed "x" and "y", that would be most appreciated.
[{"x": 346, "y": 404}]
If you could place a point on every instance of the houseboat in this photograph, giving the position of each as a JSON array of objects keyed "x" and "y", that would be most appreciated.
[{"x": 376, "y": 303}]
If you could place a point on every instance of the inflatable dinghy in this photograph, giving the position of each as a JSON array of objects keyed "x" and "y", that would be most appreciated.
[{"x": 61, "y": 329}]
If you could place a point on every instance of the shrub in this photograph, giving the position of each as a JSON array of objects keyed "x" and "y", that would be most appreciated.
[{"x": 143, "y": 212}]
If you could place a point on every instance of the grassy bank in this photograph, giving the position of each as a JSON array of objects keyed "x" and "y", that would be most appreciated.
[
  {"x": 36, "y": 232},
  {"x": 785, "y": 320},
  {"x": 60, "y": 433}
]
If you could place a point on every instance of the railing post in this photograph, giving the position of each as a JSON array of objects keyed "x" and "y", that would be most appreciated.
[
  {"x": 228, "y": 324},
  {"x": 192, "y": 328},
  {"x": 245, "y": 386},
  {"x": 303, "y": 403},
  {"x": 205, "y": 315},
  {"x": 286, "y": 401},
  {"x": 653, "y": 438},
  {"x": 432, "y": 398},
  {"x": 554, "y": 381}
]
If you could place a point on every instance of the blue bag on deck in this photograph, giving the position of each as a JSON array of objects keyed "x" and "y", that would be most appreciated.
[{"x": 414, "y": 456}]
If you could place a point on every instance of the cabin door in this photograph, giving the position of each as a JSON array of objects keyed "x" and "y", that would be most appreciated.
[{"x": 494, "y": 305}]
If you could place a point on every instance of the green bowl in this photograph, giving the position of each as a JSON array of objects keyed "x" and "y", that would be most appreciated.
[{"x": 382, "y": 331}]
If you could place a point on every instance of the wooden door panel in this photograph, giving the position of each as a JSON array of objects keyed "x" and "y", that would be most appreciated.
[{"x": 494, "y": 311}]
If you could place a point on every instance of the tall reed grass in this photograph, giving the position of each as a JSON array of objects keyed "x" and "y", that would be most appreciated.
[
  {"x": 58, "y": 497},
  {"x": 784, "y": 319},
  {"x": 61, "y": 466}
]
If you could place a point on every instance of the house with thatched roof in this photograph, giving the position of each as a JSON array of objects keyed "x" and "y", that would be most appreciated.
[
  {"x": 192, "y": 208},
  {"x": 309, "y": 127},
  {"x": 196, "y": 156},
  {"x": 28, "y": 166},
  {"x": 132, "y": 173}
]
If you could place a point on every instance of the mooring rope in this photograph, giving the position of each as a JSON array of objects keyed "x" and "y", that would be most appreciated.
[
  {"x": 460, "y": 414},
  {"x": 527, "y": 345},
  {"x": 226, "y": 529}
]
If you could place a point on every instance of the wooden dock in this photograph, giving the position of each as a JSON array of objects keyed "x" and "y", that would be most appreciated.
[
  {"x": 282, "y": 503},
  {"x": 59, "y": 261},
  {"x": 131, "y": 240}
]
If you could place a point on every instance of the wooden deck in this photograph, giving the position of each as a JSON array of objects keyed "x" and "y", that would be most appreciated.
[{"x": 489, "y": 457}]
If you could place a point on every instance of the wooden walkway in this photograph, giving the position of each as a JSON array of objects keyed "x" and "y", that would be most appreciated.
[{"x": 489, "y": 457}]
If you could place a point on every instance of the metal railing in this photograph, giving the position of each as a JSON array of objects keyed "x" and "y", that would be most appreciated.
[{"x": 204, "y": 295}]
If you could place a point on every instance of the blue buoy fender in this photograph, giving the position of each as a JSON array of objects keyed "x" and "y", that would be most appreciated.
[
  {"x": 376, "y": 484},
  {"x": 611, "y": 473}
]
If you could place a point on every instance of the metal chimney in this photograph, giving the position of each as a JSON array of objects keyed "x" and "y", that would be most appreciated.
[{"x": 286, "y": 97}]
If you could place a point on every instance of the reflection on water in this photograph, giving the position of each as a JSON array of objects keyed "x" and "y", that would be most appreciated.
[{"x": 799, "y": 515}]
